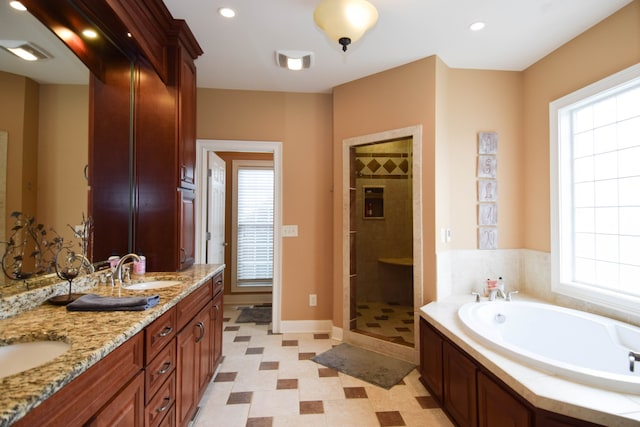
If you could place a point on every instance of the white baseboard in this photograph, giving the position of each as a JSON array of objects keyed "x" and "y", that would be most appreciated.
[
  {"x": 336, "y": 333},
  {"x": 306, "y": 326},
  {"x": 247, "y": 299}
]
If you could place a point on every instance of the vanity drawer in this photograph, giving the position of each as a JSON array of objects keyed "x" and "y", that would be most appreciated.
[
  {"x": 161, "y": 404},
  {"x": 218, "y": 283},
  {"x": 193, "y": 303},
  {"x": 159, "y": 369},
  {"x": 159, "y": 333}
]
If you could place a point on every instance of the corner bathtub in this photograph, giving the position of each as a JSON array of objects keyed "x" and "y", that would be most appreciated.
[{"x": 584, "y": 347}]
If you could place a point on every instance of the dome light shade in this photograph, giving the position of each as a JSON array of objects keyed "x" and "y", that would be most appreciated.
[{"x": 345, "y": 21}]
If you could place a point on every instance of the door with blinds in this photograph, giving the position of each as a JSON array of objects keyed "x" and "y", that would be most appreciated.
[{"x": 253, "y": 226}]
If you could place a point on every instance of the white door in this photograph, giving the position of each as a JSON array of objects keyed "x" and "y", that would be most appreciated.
[{"x": 215, "y": 209}]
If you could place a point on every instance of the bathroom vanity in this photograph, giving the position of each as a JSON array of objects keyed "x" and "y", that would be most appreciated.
[
  {"x": 134, "y": 368},
  {"x": 478, "y": 387}
]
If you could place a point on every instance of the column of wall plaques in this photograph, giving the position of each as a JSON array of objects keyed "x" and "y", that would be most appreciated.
[{"x": 487, "y": 190}]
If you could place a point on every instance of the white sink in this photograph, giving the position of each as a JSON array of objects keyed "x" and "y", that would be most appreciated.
[
  {"x": 20, "y": 357},
  {"x": 156, "y": 284}
]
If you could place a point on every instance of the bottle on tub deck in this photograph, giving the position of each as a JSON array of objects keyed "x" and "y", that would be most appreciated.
[
  {"x": 491, "y": 285},
  {"x": 501, "y": 284}
]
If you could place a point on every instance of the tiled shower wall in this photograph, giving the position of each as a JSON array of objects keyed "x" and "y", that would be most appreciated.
[{"x": 384, "y": 165}]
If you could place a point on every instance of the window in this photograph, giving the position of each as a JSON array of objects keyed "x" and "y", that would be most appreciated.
[
  {"x": 595, "y": 185},
  {"x": 252, "y": 263}
]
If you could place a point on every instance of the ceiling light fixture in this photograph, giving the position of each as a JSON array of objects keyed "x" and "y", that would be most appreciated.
[
  {"x": 17, "y": 6},
  {"x": 345, "y": 21},
  {"x": 294, "y": 60},
  {"x": 25, "y": 50},
  {"x": 227, "y": 12}
]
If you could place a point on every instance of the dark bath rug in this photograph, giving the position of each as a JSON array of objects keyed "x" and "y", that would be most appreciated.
[
  {"x": 256, "y": 314},
  {"x": 374, "y": 368}
]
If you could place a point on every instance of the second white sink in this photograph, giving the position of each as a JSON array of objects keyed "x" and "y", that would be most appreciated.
[
  {"x": 20, "y": 357},
  {"x": 156, "y": 284}
]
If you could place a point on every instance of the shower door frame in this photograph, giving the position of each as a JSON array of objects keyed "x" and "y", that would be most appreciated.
[{"x": 348, "y": 202}]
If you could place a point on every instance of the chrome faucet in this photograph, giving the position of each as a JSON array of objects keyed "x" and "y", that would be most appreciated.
[
  {"x": 118, "y": 270},
  {"x": 497, "y": 292}
]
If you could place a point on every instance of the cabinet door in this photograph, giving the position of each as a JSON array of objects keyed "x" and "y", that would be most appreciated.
[
  {"x": 187, "y": 228},
  {"x": 216, "y": 331},
  {"x": 498, "y": 408},
  {"x": 187, "y": 121},
  {"x": 126, "y": 409},
  {"x": 194, "y": 345},
  {"x": 431, "y": 359},
  {"x": 205, "y": 351},
  {"x": 459, "y": 386}
]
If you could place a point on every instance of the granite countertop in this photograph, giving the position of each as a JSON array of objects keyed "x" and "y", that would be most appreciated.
[
  {"x": 91, "y": 335},
  {"x": 543, "y": 390}
]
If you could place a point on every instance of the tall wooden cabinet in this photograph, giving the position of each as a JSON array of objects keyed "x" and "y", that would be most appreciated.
[{"x": 142, "y": 133}]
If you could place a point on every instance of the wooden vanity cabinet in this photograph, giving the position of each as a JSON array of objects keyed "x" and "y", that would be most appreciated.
[
  {"x": 111, "y": 389},
  {"x": 125, "y": 409},
  {"x": 459, "y": 386},
  {"x": 217, "y": 318},
  {"x": 498, "y": 407},
  {"x": 471, "y": 395},
  {"x": 431, "y": 360},
  {"x": 160, "y": 369},
  {"x": 199, "y": 346}
]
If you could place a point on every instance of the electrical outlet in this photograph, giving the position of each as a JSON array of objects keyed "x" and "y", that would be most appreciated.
[{"x": 313, "y": 300}]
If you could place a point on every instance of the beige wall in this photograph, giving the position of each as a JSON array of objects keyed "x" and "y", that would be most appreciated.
[
  {"x": 63, "y": 152},
  {"x": 302, "y": 122},
  {"x": 19, "y": 117},
  {"x": 610, "y": 46},
  {"x": 47, "y": 150},
  {"x": 394, "y": 99},
  {"x": 479, "y": 101}
]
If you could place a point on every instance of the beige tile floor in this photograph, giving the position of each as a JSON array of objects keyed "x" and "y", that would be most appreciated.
[{"x": 268, "y": 380}]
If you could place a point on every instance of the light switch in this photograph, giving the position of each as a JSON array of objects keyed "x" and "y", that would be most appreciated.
[{"x": 289, "y": 231}]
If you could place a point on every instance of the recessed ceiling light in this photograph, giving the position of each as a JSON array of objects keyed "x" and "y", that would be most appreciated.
[
  {"x": 477, "y": 26},
  {"x": 227, "y": 12},
  {"x": 17, "y": 6},
  {"x": 90, "y": 34}
]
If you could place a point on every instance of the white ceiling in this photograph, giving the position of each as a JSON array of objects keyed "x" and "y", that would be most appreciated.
[{"x": 240, "y": 53}]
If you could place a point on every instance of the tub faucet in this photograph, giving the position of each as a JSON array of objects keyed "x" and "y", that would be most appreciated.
[
  {"x": 496, "y": 292},
  {"x": 118, "y": 270}
]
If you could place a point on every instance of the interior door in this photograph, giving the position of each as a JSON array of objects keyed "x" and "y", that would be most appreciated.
[{"x": 215, "y": 209}]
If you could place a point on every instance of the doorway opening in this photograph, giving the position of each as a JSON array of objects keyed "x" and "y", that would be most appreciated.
[
  {"x": 383, "y": 240},
  {"x": 273, "y": 152}
]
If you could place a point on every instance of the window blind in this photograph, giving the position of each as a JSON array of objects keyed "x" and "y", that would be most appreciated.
[{"x": 255, "y": 226}]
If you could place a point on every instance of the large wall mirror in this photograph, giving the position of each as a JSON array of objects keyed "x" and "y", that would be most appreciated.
[{"x": 44, "y": 115}]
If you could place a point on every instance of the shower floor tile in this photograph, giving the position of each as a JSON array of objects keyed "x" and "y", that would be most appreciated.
[{"x": 388, "y": 321}]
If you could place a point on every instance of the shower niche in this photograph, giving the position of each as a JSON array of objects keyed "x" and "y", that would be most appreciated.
[{"x": 373, "y": 203}]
